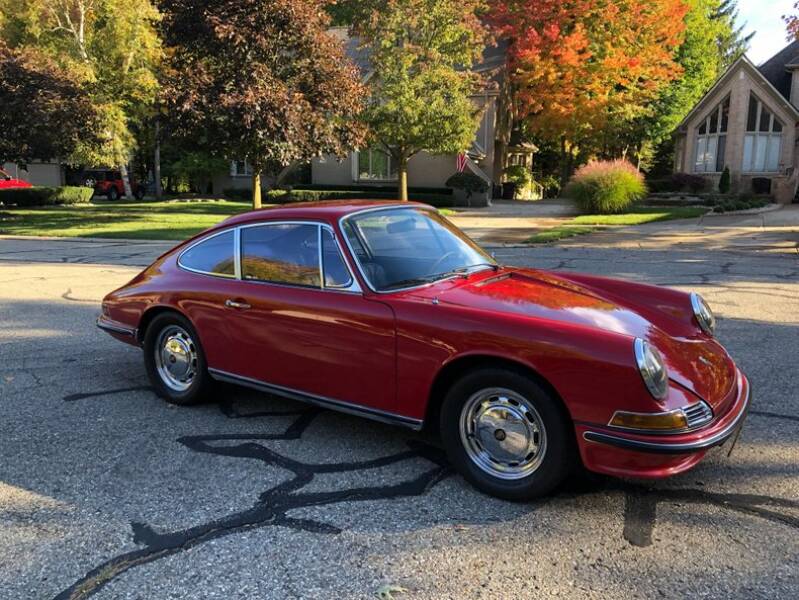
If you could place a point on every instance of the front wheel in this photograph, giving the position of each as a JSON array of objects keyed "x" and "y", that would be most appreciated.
[
  {"x": 507, "y": 435},
  {"x": 175, "y": 360}
]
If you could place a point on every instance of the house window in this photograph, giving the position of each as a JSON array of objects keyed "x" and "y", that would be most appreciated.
[
  {"x": 763, "y": 139},
  {"x": 376, "y": 165},
  {"x": 711, "y": 139},
  {"x": 240, "y": 168}
]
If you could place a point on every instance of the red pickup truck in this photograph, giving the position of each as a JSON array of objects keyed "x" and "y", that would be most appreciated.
[
  {"x": 109, "y": 184},
  {"x": 6, "y": 181}
]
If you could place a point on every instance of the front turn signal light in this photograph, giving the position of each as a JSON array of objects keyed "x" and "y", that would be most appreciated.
[{"x": 673, "y": 420}]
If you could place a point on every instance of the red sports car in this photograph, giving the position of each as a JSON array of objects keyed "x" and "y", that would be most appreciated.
[
  {"x": 389, "y": 311},
  {"x": 6, "y": 181}
]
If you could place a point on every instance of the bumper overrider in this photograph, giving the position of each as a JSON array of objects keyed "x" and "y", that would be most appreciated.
[
  {"x": 652, "y": 455},
  {"x": 116, "y": 329}
]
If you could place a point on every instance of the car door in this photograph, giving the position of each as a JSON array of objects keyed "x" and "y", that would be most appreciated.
[{"x": 301, "y": 323}]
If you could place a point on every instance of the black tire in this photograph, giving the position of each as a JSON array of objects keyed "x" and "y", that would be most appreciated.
[
  {"x": 113, "y": 194},
  {"x": 557, "y": 458},
  {"x": 198, "y": 387},
  {"x": 139, "y": 193}
]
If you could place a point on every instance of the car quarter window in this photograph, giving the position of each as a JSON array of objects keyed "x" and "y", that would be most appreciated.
[
  {"x": 281, "y": 253},
  {"x": 214, "y": 256},
  {"x": 336, "y": 272}
]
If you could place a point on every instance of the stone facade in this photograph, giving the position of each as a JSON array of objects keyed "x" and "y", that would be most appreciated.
[{"x": 773, "y": 84}]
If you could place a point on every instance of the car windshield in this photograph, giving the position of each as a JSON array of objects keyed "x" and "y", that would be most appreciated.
[{"x": 406, "y": 247}]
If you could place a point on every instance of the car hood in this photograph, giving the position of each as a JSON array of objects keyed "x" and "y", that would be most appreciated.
[{"x": 694, "y": 361}]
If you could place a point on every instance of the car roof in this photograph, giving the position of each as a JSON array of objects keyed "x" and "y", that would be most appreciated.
[{"x": 328, "y": 211}]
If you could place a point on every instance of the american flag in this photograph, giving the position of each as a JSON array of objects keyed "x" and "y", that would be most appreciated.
[{"x": 461, "y": 162}]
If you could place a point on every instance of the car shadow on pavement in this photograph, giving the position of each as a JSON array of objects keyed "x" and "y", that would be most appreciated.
[{"x": 248, "y": 441}]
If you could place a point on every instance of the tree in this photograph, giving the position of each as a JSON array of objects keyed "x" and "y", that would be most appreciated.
[
  {"x": 421, "y": 52},
  {"x": 262, "y": 79},
  {"x": 584, "y": 67},
  {"x": 712, "y": 43},
  {"x": 108, "y": 47},
  {"x": 792, "y": 23},
  {"x": 44, "y": 113}
]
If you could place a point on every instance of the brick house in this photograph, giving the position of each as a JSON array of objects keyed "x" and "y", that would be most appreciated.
[{"x": 747, "y": 122}]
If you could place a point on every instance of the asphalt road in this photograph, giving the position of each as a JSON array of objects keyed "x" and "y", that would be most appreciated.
[{"x": 105, "y": 491}]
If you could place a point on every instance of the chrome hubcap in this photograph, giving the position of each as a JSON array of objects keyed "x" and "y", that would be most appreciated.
[
  {"x": 176, "y": 358},
  {"x": 503, "y": 433}
]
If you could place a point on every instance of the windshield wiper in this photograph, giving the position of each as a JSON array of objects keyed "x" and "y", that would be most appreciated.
[
  {"x": 411, "y": 282},
  {"x": 466, "y": 271},
  {"x": 460, "y": 271}
]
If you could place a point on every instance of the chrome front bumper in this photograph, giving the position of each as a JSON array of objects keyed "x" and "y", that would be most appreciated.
[{"x": 702, "y": 441}]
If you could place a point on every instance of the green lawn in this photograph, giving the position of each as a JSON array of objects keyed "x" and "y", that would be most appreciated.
[
  {"x": 165, "y": 220},
  {"x": 640, "y": 214}
]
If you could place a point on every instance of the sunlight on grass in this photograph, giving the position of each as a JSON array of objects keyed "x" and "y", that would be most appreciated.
[
  {"x": 643, "y": 214},
  {"x": 640, "y": 215},
  {"x": 560, "y": 232},
  {"x": 166, "y": 220}
]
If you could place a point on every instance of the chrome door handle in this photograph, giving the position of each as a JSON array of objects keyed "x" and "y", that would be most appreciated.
[{"x": 234, "y": 304}]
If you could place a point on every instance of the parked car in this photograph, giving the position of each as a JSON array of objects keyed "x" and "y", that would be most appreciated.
[
  {"x": 109, "y": 183},
  {"x": 389, "y": 311},
  {"x": 7, "y": 181}
]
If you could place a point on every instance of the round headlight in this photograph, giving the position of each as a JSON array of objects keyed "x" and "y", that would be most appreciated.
[
  {"x": 652, "y": 368},
  {"x": 704, "y": 316}
]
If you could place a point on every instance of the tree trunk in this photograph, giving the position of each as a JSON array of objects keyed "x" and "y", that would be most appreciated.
[
  {"x": 402, "y": 171},
  {"x": 564, "y": 164},
  {"x": 159, "y": 192},
  {"x": 256, "y": 190},
  {"x": 123, "y": 170}
]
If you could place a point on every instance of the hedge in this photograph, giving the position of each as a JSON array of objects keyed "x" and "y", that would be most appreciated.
[
  {"x": 281, "y": 196},
  {"x": 45, "y": 196},
  {"x": 372, "y": 188}
]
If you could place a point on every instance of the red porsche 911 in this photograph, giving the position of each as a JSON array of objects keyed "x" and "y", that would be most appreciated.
[{"x": 387, "y": 310}]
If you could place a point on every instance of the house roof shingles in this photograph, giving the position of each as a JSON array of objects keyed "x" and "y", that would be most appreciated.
[{"x": 774, "y": 69}]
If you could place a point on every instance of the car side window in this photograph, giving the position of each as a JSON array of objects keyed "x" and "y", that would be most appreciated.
[
  {"x": 214, "y": 256},
  {"x": 337, "y": 274},
  {"x": 281, "y": 253}
]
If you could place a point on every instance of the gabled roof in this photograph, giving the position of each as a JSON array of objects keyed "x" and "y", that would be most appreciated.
[
  {"x": 776, "y": 69},
  {"x": 757, "y": 74}
]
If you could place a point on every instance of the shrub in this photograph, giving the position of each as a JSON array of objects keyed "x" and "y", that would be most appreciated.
[
  {"x": 46, "y": 196},
  {"x": 724, "y": 182},
  {"x": 280, "y": 196},
  {"x": 606, "y": 187},
  {"x": 238, "y": 194},
  {"x": 688, "y": 182},
  {"x": 371, "y": 188},
  {"x": 468, "y": 182},
  {"x": 519, "y": 175}
]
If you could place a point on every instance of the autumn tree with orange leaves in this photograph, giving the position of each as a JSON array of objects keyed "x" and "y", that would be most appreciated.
[{"x": 583, "y": 68}]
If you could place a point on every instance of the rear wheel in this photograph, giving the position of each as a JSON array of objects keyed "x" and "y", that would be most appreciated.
[
  {"x": 175, "y": 360},
  {"x": 113, "y": 194},
  {"x": 507, "y": 435}
]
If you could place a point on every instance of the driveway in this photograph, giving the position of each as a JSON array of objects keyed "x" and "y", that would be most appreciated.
[{"x": 106, "y": 491}]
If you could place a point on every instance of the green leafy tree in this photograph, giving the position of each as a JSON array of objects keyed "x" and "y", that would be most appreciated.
[
  {"x": 108, "y": 47},
  {"x": 420, "y": 82},
  {"x": 712, "y": 43},
  {"x": 44, "y": 113},
  {"x": 262, "y": 79}
]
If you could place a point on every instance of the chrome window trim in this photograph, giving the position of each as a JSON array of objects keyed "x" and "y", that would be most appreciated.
[
  {"x": 353, "y": 287},
  {"x": 205, "y": 239},
  {"x": 352, "y": 283},
  {"x": 358, "y": 263}
]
